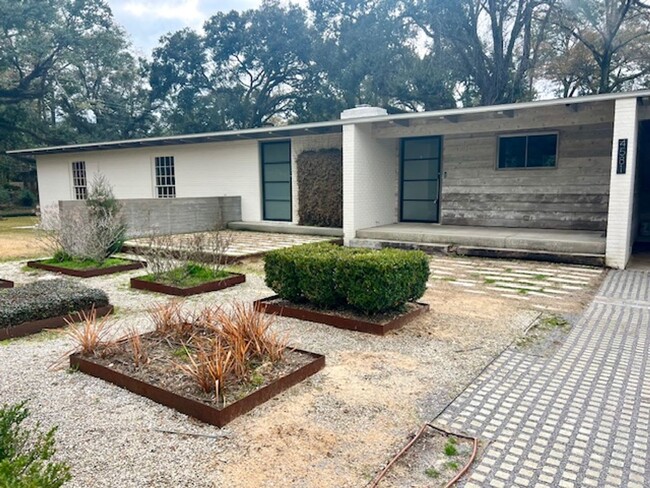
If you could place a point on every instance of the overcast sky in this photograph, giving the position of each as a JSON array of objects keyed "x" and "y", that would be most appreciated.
[{"x": 147, "y": 20}]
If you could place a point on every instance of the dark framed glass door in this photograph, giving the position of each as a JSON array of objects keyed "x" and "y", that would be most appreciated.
[
  {"x": 276, "y": 180},
  {"x": 420, "y": 179}
]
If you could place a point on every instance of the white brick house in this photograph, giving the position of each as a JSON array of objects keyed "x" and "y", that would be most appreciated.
[{"x": 564, "y": 177}]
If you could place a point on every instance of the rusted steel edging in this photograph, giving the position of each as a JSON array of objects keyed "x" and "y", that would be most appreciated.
[
  {"x": 338, "y": 321},
  {"x": 88, "y": 273},
  {"x": 233, "y": 280},
  {"x": 194, "y": 408},
  {"x": 6, "y": 284},
  {"x": 27, "y": 328}
]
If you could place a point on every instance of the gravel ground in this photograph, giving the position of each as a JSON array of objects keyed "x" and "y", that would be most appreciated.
[{"x": 336, "y": 429}]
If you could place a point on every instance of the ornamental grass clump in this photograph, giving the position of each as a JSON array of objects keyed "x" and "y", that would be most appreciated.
[
  {"x": 91, "y": 335},
  {"x": 46, "y": 299},
  {"x": 222, "y": 346},
  {"x": 330, "y": 276}
]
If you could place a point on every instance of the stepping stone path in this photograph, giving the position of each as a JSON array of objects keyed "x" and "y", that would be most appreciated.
[
  {"x": 245, "y": 243},
  {"x": 518, "y": 280}
]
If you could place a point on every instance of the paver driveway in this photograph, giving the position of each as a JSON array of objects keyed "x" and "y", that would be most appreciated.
[{"x": 579, "y": 418}]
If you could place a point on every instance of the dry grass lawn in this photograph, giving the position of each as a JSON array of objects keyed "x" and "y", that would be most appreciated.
[{"x": 18, "y": 239}]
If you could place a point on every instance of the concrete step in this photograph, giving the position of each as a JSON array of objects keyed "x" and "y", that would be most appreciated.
[
  {"x": 550, "y": 240},
  {"x": 585, "y": 259},
  {"x": 286, "y": 228}
]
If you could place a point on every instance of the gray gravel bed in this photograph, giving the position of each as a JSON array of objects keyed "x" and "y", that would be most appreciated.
[{"x": 334, "y": 429}]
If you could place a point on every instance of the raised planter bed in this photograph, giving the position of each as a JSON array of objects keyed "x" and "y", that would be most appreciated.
[
  {"x": 28, "y": 328},
  {"x": 233, "y": 280},
  {"x": 88, "y": 273},
  {"x": 342, "y": 320},
  {"x": 195, "y": 408},
  {"x": 6, "y": 284}
]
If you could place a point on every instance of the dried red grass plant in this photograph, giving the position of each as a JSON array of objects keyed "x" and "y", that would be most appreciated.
[
  {"x": 231, "y": 345},
  {"x": 92, "y": 334},
  {"x": 172, "y": 321},
  {"x": 138, "y": 349}
]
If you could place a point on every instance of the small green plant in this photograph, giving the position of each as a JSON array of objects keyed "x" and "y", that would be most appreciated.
[
  {"x": 448, "y": 278},
  {"x": 450, "y": 448},
  {"x": 26, "y": 454},
  {"x": 452, "y": 465},
  {"x": 540, "y": 277},
  {"x": 257, "y": 379},
  {"x": 489, "y": 281},
  {"x": 554, "y": 322},
  {"x": 181, "y": 353},
  {"x": 432, "y": 473},
  {"x": 522, "y": 291}
]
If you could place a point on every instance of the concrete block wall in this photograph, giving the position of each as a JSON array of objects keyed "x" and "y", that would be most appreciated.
[
  {"x": 145, "y": 216},
  {"x": 370, "y": 180},
  {"x": 620, "y": 230},
  {"x": 300, "y": 144}
]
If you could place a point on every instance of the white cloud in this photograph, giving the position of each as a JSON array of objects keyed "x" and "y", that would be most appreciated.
[{"x": 186, "y": 11}]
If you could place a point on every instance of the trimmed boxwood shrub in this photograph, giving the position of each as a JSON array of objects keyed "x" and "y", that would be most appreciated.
[
  {"x": 382, "y": 280},
  {"x": 328, "y": 276},
  {"x": 46, "y": 299}
]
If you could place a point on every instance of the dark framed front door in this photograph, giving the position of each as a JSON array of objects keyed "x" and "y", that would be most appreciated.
[
  {"x": 420, "y": 179},
  {"x": 276, "y": 180}
]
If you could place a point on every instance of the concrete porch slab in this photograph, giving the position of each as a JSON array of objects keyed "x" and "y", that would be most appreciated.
[
  {"x": 547, "y": 240},
  {"x": 286, "y": 228}
]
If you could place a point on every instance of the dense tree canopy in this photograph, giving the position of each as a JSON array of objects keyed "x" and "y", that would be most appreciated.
[{"x": 68, "y": 73}]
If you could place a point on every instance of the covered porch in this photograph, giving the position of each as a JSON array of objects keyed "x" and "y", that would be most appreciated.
[{"x": 568, "y": 246}]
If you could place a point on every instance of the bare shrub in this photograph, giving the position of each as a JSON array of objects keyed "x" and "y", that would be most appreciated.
[{"x": 93, "y": 231}]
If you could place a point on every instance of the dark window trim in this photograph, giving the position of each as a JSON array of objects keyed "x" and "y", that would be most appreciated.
[
  {"x": 401, "y": 178},
  {"x": 263, "y": 164},
  {"x": 79, "y": 175},
  {"x": 164, "y": 190},
  {"x": 527, "y": 134}
]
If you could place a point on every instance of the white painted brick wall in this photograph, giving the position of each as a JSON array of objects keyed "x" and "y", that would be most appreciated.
[
  {"x": 308, "y": 143},
  {"x": 620, "y": 232},
  {"x": 202, "y": 170},
  {"x": 370, "y": 180}
]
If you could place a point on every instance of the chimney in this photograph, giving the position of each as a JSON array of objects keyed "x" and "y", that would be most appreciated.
[{"x": 363, "y": 111}]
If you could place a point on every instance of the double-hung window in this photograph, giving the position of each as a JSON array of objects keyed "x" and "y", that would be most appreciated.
[
  {"x": 165, "y": 177},
  {"x": 527, "y": 151},
  {"x": 79, "y": 181}
]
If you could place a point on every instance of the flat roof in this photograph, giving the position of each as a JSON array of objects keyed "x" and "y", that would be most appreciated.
[{"x": 327, "y": 127}]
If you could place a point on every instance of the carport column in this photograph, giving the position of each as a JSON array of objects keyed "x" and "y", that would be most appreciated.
[{"x": 620, "y": 234}]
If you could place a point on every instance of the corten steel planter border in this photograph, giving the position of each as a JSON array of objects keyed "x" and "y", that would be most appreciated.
[
  {"x": 233, "y": 280},
  {"x": 195, "y": 408},
  {"x": 338, "y": 321},
  {"x": 6, "y": 284},
  {"x": 88, "y": 273},
  {"x": 32, "y": 327}
]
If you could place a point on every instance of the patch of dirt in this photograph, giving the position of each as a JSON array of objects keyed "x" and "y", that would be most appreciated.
[
  {"x": 433, "y": 461},
  {"x": 545, "y": 337}
]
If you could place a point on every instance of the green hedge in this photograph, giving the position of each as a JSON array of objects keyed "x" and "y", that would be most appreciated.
[
  {"x": 329, "y": 276},
  {"x": 46, "y": 299}
]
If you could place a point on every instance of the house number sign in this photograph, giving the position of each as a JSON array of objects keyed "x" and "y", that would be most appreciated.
[{"x": 621, "y": 159}]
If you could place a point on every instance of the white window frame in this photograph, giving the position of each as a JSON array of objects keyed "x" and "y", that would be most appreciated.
[
  {"x": 528, "y": 134},
  {"x": 79, "y": 175},
  {"x": 165, "y": 184}
]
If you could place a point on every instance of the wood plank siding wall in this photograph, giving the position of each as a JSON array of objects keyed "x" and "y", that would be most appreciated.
[{"x": 574, "y": 195}]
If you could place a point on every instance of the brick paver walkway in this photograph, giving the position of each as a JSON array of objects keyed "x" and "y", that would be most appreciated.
[{"x": 578, "y": 419}]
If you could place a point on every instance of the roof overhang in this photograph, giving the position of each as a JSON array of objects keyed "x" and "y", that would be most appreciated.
[{"x": 329, "y": 127}]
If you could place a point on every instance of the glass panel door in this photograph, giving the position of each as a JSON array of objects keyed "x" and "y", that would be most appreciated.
[
  {"x": 420, "y": 180},
  {"x": 276, "y": 180}
]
